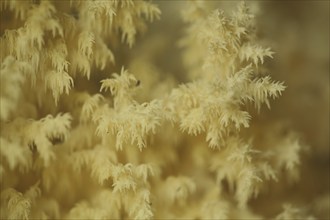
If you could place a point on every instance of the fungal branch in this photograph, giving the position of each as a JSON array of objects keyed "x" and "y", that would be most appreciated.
[
  {"x": 228, "y": 80},
  {"x": 128, "y": 120}
]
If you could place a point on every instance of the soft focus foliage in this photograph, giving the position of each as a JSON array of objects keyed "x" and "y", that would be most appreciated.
[{"x": 100, "y": 121}]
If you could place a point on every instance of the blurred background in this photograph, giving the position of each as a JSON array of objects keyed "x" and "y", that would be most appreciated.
[{"x": 299, "y": 32}]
